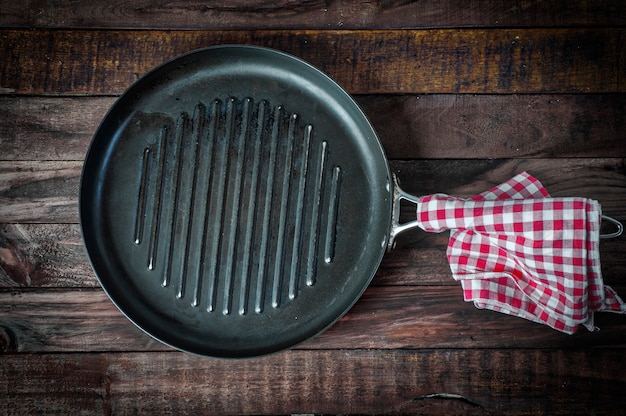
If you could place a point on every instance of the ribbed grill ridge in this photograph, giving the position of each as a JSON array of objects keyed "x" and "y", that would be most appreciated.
[{"x": 237, "y": 206}]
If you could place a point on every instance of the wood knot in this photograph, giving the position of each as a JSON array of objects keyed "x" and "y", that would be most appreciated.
[{"x": 8, "y": 340}]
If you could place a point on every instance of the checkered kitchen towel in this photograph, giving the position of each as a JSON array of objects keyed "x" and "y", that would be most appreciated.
[{"x": 518, "y": 251}]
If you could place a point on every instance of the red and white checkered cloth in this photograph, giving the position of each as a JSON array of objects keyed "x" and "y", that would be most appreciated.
[{"x": 518, "y": 251}]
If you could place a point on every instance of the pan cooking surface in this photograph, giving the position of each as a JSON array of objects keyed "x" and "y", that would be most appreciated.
[{"x": 235, "y": 202}]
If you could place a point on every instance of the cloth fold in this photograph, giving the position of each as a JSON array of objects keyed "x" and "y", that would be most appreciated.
[{"x": 518, "y": 251}]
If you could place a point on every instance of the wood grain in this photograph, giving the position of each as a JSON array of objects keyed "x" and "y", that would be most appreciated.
[
  {"x": 53, "y": 256},
  {"x": 477, "y": 382},
  {"x": 409, "y": 126},
  {"x": 39, "y": 191},
  {"x": 500, "y": 61},
  {"x": 393, "y": 317},
  {"x": 286, "y": 14},
  {"x": 601, "y": 179},
  {"x": 47, "y": 191},
  {"x": 43, "y": 255},
  {"x": 410, "y": 345},
  {"x": 498, "y": 126},
  {"x": 462, "y": 94},
  {"x": 47, "y": 128}
]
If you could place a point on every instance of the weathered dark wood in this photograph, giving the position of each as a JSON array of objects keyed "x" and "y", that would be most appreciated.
[
  {"x": 601, "y": 179},
  {"x": 286, "y": 14},
  {"x": 420, "y": 259},
  {"x": 44, "y": 128},
  {"x": 393, "y": 317},
  {"x": 498, "y": 126},
  {"x": 23, "y": 331},
  {"x": 474, "y": 382},
  {"x": 468, "y": 95},
  {"x": 47, "y": 191},
  {"x": 409, "y": 126},
  {"x": 43, "y": 255},
  {"x": 52, "y": 255},
  {"x": 364, "y": 62},
  {"x": 39, "y": 191}
]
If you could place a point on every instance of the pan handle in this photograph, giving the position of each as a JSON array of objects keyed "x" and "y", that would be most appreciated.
[
  {"x": 619, "y": 228},
  {"x": 396, "y": 227}
]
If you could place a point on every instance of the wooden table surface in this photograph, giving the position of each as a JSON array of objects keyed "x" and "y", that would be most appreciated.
[{"x": 463, "y": 96}]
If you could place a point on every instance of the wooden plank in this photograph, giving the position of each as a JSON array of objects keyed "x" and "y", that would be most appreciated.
[
  {"x": 43, "y": 255},
  {"x": 39, "y": 191},
  {"x": 21, "y": 331},
  {"x": 45, "y": 128},
  {"x": 409, "y": 126},
  {"x": 52, "y": 255},
  {"x": 47, "y": 191},
  {"x": 474, "y": 382},
  {"x": 364, "y": 62},
  {"x": 188, "y": 14},
  {"x": 498, "y": 126},
  {"x": 386, "y": 317},
  {"x": 420, "y": 259},
  {"x": 601, "y": 179}
]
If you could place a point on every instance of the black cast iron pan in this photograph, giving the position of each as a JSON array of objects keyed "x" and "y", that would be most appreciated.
[{"x": 235, "y": 201}]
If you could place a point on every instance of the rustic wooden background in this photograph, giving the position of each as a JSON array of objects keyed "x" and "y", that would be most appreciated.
[{"x": 463, "y": 95}]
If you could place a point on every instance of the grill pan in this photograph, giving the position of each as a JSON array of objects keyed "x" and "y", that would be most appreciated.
[{"x": 235, "y": 201}]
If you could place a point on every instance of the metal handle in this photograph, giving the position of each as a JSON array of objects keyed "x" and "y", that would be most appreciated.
[
  {"x": 396, "y": 227},
  {"x": 618, "y": 225}
]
